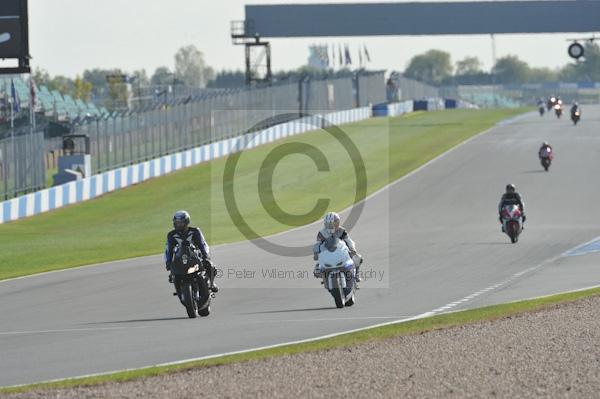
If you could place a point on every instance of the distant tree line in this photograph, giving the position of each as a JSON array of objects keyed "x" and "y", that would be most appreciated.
[
  {"x": 435, "y": 67},
  {"x": 190, "y": 69}
]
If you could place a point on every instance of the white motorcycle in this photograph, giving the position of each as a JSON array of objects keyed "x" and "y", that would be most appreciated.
[{"x": 338, "y": 271}]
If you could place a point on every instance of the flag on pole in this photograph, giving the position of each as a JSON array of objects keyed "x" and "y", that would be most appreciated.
[
  {"x": 332, "y": 56},
  {"x": 348, "y": 60},
  {"x": 32, "y": 90},
  {"x": 16, "y": 106},
  {"x": 32, "y": 101},
  {"x": 367, "y": 53},
  {"x": 360, "y": 57}
]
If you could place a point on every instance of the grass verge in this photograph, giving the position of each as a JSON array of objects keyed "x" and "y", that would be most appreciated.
[
  {"x": 345, "y": 340},
  {"x": 133, "y": 221}
]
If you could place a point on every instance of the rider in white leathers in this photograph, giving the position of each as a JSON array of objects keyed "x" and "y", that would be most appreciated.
[{"x": 331, "y": 227}]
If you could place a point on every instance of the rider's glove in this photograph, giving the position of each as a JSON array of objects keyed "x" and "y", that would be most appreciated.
[{"x": 317, "y": 272}]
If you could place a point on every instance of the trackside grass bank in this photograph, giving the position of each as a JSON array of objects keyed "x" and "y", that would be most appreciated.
[
  {"x": 442, "y": 321},
  {"x": 133, "y": 221}
]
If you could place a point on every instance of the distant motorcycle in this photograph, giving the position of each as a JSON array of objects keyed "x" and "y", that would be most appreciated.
[
  {"x": 542, "y": 110},
  {"x": 546, "y": 155},
  {"x": 550, "y": 103},
  {"x": 575, "y": 116},
  {"x": 558, "y": 109},
  {"x": 337, "y": 270},
  {"x": 191, "y": 280},
  {"x": 512, "y": 220}
]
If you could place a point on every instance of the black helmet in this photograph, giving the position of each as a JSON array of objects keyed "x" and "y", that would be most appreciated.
[
  {"x": 510, "y": 188},
  {"x": 181, "y": 221}
]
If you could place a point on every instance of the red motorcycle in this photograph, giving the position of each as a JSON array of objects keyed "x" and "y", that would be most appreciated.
[{"x": 512, "y": 220}]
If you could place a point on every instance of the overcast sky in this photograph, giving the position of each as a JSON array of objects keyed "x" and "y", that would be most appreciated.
[{"x": 68, "y": 36}]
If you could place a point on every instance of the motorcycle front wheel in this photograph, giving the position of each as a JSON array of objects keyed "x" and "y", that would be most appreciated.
[{"x": 188, "y": 300}]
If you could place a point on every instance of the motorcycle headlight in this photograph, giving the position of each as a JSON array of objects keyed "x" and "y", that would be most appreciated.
[{"x": 193, "y": 269}]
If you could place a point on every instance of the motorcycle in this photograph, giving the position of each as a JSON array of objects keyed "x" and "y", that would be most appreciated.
[
  {"x": 575, "y": 116},
  {"x": 558, "y": 109},
  {"x": 542, "y": 110},
  {"x": 546, "y": 156},
  {"x": 337, "y": 270},
  {"x": 191, "y": 280},
  {"x": 512, "y": 221},
  {"x": 550, "y": 103}
]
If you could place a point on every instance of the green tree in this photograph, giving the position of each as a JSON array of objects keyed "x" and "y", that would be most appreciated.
[
  {"x": 538, "y": 75},
  {"x": 468, "y": 66},
  {"x": 117, "y": 95},
  {"x": 191, "y": 68},
  {"x": 432, "y": 67},
  {"x": 511, "y": 69},
  {"x": 41, "y": 77},
  {"x": 97, "y": 77},
  {"x": 140, "y": 78},
  {"x": 587, "y": 68},
  {"x": 161, "y": 76},
  {"x": 82, "y": 89},
  {"x": 62, "y": 84}
]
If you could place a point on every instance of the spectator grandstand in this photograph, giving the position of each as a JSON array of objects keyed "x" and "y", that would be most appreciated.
[{"x": 51, "y": 104}]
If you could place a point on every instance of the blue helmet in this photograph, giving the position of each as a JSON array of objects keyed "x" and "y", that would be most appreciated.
[{"x": 181, "y": 221}]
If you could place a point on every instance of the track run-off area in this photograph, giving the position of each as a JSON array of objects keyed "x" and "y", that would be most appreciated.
[{"x": 431, "y": 239}]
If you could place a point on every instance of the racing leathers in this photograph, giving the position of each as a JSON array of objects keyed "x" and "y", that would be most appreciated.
[
  {"x": 511, "y": 199},
  {"x": 343, "y": 235},
  {"x": 194, "y": 236},
  {"x": 544, "y": 150}
]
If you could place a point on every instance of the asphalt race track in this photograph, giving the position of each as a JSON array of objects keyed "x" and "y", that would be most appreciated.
[{"x": 434, "y": 235}]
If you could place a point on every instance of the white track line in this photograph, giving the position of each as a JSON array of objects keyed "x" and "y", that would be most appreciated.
[
  {"x": 382, "y": 189},
  {"x": 493, "y": 287},
  {"x": 441, "y": 310},
  {"x": 572, "y": 251},
  {"x": 331, "y": 319}
]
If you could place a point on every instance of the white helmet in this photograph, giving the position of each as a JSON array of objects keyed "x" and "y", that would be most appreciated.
[{"x": 331, "y": 221}]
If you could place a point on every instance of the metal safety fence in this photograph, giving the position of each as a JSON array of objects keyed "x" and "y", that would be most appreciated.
[
  {"x": 140, "y": 136},
  {"x": 180, "y": 124},
  {"x": 400, "y": 88},
  {"x": 22, "y": 168}
]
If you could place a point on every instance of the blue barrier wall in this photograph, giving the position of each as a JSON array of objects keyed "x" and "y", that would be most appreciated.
[{"x": 392, "y": 109}]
